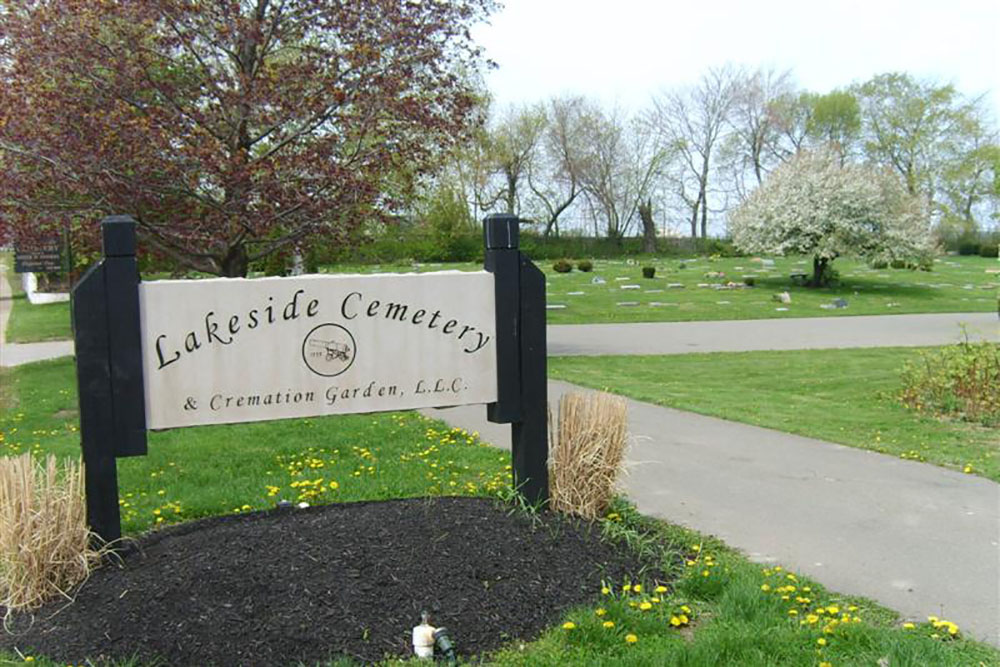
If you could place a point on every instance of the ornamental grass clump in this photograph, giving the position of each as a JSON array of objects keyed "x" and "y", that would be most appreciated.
[
  {"x": 960, "y": 380},
  {"x": 44, "y": 540},
  {"x": 587, "y": 453}
]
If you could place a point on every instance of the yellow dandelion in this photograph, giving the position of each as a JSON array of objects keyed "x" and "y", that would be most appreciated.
[
  {"x": 569, "y": 625},
  {"x": 675, "y": 621},
  {"x": 645, "y": 606},
  {"x": 793, "y": 612},
  {"x": 686, "y": 609},
  {"x": 684, "y": 619},
  {"x": 605, "y": 590},
  {"x": 608, "y": 624},
  {"x": 765, "y": 588},
  {"x": 637, "y": 588},
  {"x": 821, "y": 641},
  {"x": 908, "y": 626},
  {"x": 661, "y": 589},
  {"x": 600, "y": 612},
  {"x": 630, "y": 638}
]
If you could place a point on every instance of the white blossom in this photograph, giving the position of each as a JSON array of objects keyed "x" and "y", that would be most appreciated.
[{"x": 815, "y": 205}]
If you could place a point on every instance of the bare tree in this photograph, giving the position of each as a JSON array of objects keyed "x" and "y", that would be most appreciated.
[
  {"x": 691, "y": 123},
  {"x": 621, "y": 170},
  {"x": 511, "y": 147},
  {"x": 752, "y": 144},
  {"x": 555, "y": 177}
]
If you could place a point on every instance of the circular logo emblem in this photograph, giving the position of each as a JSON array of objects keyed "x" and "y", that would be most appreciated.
[{"x": 328, "y": 350}]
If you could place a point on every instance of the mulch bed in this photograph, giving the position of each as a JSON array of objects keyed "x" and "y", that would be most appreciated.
[{"x": 283, "y": 586}]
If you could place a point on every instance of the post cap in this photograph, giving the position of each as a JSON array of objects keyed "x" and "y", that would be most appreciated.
[
  {"x": 118, "y": 236},
  {"x": 500, "y": 231}
]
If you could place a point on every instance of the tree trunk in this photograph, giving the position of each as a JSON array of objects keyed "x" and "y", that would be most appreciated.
[
  {"x": 648, "y": 227},
  {"x": 694, "y": 220},
  {"x": 235, "y": 263},
  {"x": 819, "y": 270}
]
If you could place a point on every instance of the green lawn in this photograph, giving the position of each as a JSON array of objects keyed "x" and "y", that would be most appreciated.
[
  {"x": 957, "y": 284},
  {"x": 28, "y": 323},
  {"x": 723, "y": 609},
  {"x": 845, "y": 396}
]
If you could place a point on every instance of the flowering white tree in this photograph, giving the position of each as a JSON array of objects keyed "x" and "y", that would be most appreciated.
[{"x": 814, "y": 205}]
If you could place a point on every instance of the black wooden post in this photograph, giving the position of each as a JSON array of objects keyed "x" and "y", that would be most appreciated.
[
  {"x": 105, "y": 308},
  {"x": 522, "y": 389}
]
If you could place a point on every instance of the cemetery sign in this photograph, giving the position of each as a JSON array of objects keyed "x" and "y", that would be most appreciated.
[
  {"x": 170, "y": 354},
  {"x": 234, "y": 350},
  {"x": 44, "y": 256}
]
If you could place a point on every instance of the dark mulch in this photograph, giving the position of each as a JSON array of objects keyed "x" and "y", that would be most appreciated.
[{"x": 278, "y": 587}]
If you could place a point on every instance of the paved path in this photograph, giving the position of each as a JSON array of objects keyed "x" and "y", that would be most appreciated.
[
  {"x": 917, "y": 538},
  {"x": 777, "y": 334}
]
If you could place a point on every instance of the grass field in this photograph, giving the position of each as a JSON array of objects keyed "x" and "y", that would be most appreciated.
[
  {"x": 722, "y": 610},
  {"x": 957, "y": 284},
  {"x": 845, "y": 396},
  {"x": 28, "y": 323}
]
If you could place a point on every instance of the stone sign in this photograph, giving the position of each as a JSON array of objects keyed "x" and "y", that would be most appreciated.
[{"x": 233, "y": 350}]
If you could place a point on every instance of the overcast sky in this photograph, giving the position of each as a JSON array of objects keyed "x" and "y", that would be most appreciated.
[{"x": 623, "y": 51}]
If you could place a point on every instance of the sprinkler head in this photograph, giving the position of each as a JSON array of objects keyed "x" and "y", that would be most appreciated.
[{"x": 444, "y": 646}]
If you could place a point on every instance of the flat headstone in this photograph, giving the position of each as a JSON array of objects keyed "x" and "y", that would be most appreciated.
[
  {"x": 827, "y": 306},
  {"x": 631, "y": 287},
  {"x": 660, "y": 304},
  {"x": 597, "y": 280},
  {"x": 627, "y": 303},
  {"x": 652, "y": 291},
  {"x": 723, "y": 303},
  {"x": 675, "y": 285},
  {"x": 840, "y": 303},
  {"x": 767, "y": 263},
  {"x": 555, "y": 306},
  {"x": 781, "y": 309},
  {"x": 621, "y": 278},
  {"x": 574, "y": 293}
]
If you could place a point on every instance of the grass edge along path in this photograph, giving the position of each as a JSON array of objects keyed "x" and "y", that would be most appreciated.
[{"x": 846, "y": 396}]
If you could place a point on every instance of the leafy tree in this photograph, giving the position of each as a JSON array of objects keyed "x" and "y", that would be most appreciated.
[
  {"x": 229, "y": 128},
  {"x": 814, "y": 205},
  {"x": 835, "y": 120}
]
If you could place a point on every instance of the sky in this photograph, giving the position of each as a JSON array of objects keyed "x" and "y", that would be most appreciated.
[{"x": 622, "y": 52}]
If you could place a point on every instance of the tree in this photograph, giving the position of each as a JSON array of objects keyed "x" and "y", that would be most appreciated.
[
  {"x": 512, "y": 148},
  {"x": 755, "y": 131},
  {"x": 913, "y": 127},
  {"x": 555, "y": 178},
  {"x": 229, "y": 129},
  {"x": 835, "y": 121},
  {"x": 814, "y": 205},
  {"x": 690, "y": 124},
  {"x": 621, "y": 170}
]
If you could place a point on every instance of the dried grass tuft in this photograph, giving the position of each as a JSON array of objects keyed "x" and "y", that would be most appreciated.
[
  {"x": 587, "y": 453},
  {"x": 45, "y": 545}
]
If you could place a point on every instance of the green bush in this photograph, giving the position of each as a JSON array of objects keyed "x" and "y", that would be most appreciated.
[
  {"x": 749, "y": 281},
  {"x": 989, "y": 250},
  {"x": 648, "y": 271},
  {"x": 968, "y": 247},
  {"x": 585, "y": 265},
  {"x": 879, "y": 264},
  {"x": 562, "y": 266},
  {"x": 898, "y": 264},
  {"x": 960, "y": 381}
]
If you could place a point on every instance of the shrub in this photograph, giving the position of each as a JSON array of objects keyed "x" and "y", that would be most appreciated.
[
  {"x": 44, "y": 539},
  {"x": 562, "y": 266},
  {"x": 648, "y": 271},
  {"x": 749, "y": 281},
  {"x": 585, "y": 265},
  {"x": 960, "y": 380},
  {"x": 968, "y": 247},
  {"x": 989, "y": 250},
  {"x": 879, "y": 264},
  {"x": 898, "y": 263},
  {"x": 588, "y": 452}
]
